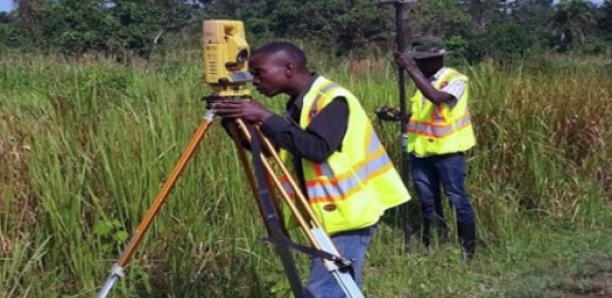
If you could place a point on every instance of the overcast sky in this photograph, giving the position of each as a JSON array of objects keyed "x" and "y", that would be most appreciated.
[{"x": 6, "y": 5}]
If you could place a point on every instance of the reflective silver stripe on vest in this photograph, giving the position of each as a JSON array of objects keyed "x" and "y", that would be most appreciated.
[
  {"x": 323, "y": 91},
  {"x": 437, "y": 130},
  {"x": 339, "y": 189},
  {"x": 437, "y": 113},
  {"x": 326, "y": 170},
  {"x": 287, "y": 187},
  {"x": 374, "y": 144}
]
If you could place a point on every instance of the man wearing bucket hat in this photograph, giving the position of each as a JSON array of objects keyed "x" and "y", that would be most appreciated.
[{"x": 439, "y": 132}]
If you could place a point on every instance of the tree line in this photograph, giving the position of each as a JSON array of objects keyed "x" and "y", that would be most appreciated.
[{"x": 473, "y": 28}]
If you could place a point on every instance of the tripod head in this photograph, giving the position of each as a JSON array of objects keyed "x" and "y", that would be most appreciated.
[{"x": 225, "y": 55}]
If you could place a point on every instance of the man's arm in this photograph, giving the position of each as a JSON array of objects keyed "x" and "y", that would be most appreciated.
[
  {"x": 249, "y": 111},
  {"x": 316, "y": 143},
  {"x": 428, "y": 90},
  {"x": 455, "y": 88},
  {"x": 319, "y": 140}
]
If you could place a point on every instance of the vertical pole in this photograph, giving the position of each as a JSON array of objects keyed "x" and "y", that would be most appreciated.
[
  {"x": 405, "y": 162},
  {"x": 399, "y": 39}
]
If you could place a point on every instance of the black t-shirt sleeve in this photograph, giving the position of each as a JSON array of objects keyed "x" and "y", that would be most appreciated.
[{"x": 321, "y": 138}]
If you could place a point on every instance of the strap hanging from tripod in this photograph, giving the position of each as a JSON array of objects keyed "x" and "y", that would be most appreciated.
[
  {"x": 323, "y": 248},
  {"x": 278, "y": 236},
  {"x": 272, "y": 220},
  {"x": 342, "y": 263}
]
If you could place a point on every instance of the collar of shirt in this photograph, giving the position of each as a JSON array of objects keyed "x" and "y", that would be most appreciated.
[
  {"x": 437, "y": 75},
  {"x": 432, "y": 80},
  {"x": 295, "y": 103}
]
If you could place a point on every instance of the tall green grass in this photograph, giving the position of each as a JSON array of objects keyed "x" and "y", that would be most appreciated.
[{"x": 84, "y": 148}]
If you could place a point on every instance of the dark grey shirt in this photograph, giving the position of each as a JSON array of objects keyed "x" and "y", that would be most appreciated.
[{"x": 321, "y": 137}]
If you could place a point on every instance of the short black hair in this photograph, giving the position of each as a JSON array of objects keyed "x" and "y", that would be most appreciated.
[{"x": 293, "y": 52}]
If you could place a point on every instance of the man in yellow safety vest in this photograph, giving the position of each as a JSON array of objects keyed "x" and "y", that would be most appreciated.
[
  {"x": 439, "y": 132},
  {"x": 326, "y": 137}
]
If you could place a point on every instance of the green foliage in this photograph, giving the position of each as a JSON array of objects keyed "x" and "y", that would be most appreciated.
[
  {"x": 28, "y": 15},
  {"x": 5, "y": 18},
  {"x": 605, "y": 19},
  {"x": 127, "y": 28},
  {"x": 572, "y": 21},
  {"x": 592, "y": 46},
  {"x": 361, "y": 28},
  {"x": 84, "y": 25},
  {"x": 443, "y": 18},
  {"x": 135, "y": 27},
  {"x": 340, "y": 25},
  {"x": 110, "y": 234},
  {"x": 121, "y": 28},
  {"x": 12, "y": 32},
  {"x": 535, "y": 15},
  {"x": 503, "y": 41},
  {"x": 7, "y": 34},
  {"x": 483, "y": 12}
]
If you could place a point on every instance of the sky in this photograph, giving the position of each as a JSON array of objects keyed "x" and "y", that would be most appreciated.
[{"x": 6, "y": 5}]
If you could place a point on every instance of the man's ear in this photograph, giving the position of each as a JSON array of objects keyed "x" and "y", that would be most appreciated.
[{"x": 289, "y": 69}]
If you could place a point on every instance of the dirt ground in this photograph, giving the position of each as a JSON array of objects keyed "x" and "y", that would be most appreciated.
[{"x": 600, "y": 285}]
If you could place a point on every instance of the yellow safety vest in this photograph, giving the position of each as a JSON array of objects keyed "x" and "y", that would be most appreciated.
[
  {"x": 353, "y": 188},
  {"x": 439, "y": 129}
]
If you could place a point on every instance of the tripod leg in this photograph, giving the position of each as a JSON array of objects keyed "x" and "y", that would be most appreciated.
[
  {"x": 143, "y": 227},
  {"x": 245, "y": 164},
  {"x": 249, "y": 173},
  {"x": 272, "y": 219},
  {"x": 302, "y": 199},
  {"x": 304, "y": 224},
  {"x": 316, "y": 235}
]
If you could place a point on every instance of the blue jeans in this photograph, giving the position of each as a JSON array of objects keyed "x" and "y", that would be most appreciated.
[
  {"x": 351, "y": 245},
  {"x": 449, "y": 170}
]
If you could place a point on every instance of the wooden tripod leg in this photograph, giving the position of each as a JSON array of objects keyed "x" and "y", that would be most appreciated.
[
  {"x": 316, "y": 234},
  {"x": 298, "y": 191},
  {"x": 304, "y": 224},
  {"x": 270, "y": 214},
  {"x": 160, "y": 199},
  {"x": 249, "y": 173},
  {"x": 165, "y": 191}
]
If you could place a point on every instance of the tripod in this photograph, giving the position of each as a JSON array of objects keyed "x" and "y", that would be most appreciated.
[{"x": 263, "y": 181}]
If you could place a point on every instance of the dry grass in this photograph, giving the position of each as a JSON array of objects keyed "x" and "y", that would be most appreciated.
[{"x": 21, "y": 210}]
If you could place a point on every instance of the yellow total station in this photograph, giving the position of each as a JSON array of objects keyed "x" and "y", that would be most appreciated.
[{"x": 225, "y": 53}]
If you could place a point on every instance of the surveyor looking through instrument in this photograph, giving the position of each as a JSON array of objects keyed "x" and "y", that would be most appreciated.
[
  {"x": 343, "y": 187},
  {"x": 327, "y": 139}
]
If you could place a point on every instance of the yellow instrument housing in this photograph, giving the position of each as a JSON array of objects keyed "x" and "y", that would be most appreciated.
[{"x": 225, "y": 55}]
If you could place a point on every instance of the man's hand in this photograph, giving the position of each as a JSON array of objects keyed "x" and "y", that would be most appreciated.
[
  {"x": 250, "y": 111},
  {"x": 403, "y": 61}
]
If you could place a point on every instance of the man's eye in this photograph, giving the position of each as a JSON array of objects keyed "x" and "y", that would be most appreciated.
[{"x": 255, "y": 72}]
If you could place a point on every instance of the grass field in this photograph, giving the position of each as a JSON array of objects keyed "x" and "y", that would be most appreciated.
[{"x": 85, "y": 146}]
